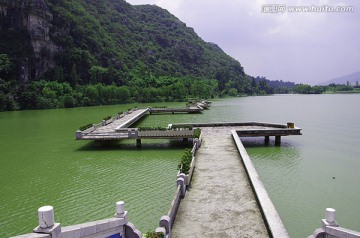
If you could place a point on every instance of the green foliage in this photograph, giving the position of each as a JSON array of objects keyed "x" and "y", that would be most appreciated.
[
  {"x": 187, "y": 127},
  {"x": 152, "y": 129},
  {"x": 307, "y": 89},
  {"x": 4, "y": 63},
  {"x": 112, "y": 53},
  {"x": 152, "y": 234},
  {"x": 69, "y": 101},
  {"x": 107, "y": 118},
  {"x": 197, "y": 133},
  {"x": 184, "y": 165},
  {"x": 83, "y": 128},
  {"x": 302, "y": 89}
]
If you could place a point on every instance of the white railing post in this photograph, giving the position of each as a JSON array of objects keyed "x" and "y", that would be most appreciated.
[
  {"x": 47, "y": 223},
  {"x": 79, "y": 134},
  {"x": 120, "y": 210},
  {"x": 330, "y": 218},
  {"x": 181, "y": 182},
  {"x": 46, "y": 216}
]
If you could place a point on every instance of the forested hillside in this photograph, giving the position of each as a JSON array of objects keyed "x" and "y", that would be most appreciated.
[{"x": 66, "y": 53}]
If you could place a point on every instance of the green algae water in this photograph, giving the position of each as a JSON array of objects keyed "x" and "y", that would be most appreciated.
[
  {"x": 314, "y": 171},
  {"x": 41, "y": 163}
]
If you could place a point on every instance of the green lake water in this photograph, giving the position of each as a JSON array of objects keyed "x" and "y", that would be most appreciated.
[{"x": 42, "y": 164}]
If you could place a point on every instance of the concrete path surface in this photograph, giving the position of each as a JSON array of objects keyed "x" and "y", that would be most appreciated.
[{"x": 220, "y": 202}]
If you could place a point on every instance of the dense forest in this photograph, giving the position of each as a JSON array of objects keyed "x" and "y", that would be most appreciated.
[{"x": 68, "y": 53}]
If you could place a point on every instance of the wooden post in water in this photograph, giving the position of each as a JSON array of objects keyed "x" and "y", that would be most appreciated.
[
  {"x": 277, "y": 140},
  {"x": 267, "y": 139}
]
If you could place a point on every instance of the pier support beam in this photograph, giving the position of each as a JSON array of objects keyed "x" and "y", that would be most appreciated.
[
  {"x": 277, "y": 140},
  {"x": 185, "y": 140},
  {"x": 267, "y": 139},
  {"x": 138, "y": 142}
]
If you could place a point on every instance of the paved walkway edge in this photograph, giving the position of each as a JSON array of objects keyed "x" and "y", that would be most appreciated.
[{"x": 272, "y": 219}]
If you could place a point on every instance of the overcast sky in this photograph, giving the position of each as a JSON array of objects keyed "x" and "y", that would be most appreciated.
[{"x": 302, "y": 47}]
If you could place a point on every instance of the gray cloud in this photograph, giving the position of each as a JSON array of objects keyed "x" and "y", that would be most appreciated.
[{"x": 304, "y": 47}]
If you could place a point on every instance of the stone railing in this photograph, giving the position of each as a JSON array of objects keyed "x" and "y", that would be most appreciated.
[
  {"x": 116, "y": 227},
  {"x": 272, "y": 219},
  {"x": 331, "y": 229},
  {"x": 183, "y": 182}
]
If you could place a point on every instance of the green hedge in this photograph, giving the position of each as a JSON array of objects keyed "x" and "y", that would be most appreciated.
[
  {"x": 83, "y": 128},
  {"x": 184, "y": 165},
  {"x": 190, "y": 127},
  {"x": 152, "y": 234},
  {"x": 197, "y": 133},
  {"x": 152, "y": 128}
]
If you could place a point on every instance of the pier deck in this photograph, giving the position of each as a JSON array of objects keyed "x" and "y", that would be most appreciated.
[
  {"x": 111, "y": 131},
  {"x": 118, "y": 129},
  {"x": 220, "y": 202},
  {"x": 252, "y": 129}
]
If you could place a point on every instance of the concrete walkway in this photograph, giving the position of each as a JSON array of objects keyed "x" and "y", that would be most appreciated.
[{"x": 220, "y": 202}]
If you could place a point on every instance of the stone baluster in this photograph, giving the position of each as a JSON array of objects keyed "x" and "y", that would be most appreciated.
[
  {"x": 47, "y": 223},
  {"x": 120, "y": 210},
  {"x": 330, "y": 218}
]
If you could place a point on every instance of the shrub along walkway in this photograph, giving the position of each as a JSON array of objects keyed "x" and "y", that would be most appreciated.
[{"x": 220, "y": 202}]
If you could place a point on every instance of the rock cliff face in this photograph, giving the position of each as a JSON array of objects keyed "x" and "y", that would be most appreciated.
[{"x": 36, "y": 17}]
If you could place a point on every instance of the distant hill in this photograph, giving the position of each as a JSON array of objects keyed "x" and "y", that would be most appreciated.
[
  {"x": 43, "y": 39},
  {"x": 67, "y": 53},
  {"x": 352, "y": 78}
]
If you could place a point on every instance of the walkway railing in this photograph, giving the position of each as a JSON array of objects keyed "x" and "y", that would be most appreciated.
[
  {"x": 116, "y": 227},
  {"x": 331, "y": 229},
  {"x": 183, "y": 182},
  {"x": 272, "y": 219}
]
